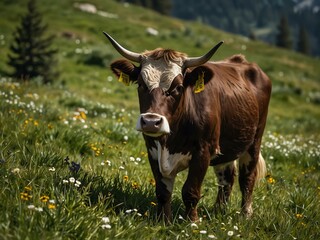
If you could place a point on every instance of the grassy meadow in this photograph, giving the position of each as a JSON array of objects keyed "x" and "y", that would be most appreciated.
[{"x": 72, "y": 165}]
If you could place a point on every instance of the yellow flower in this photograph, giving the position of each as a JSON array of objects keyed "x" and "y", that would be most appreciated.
[
  {"x": 135, "y": 185},
  {"x": 271, "y": 180},
  {"x": 152, "y": 182},
  {"x": 44, "y": 199},
  {"x": 28, "y": 188},
  {"x": 51, "y": 206},
  {"x": 153, "y": 204},
  {"x": 299, "y": 215},
  {"x": 126, "y": 178},
  {"x": 25, "y": 196}
]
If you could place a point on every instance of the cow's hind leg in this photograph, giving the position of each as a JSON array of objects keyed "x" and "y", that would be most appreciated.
[
  {"x": 251, "y": 168},
  {"x": 225, "y": 174}
]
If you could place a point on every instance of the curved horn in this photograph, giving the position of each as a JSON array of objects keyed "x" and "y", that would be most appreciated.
[
  {"x": 196, "y": 61},
  {"x": 135, "y": 57}
]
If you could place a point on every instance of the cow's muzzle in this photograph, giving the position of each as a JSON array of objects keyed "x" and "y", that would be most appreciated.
[{"x": 153, "y": 124}]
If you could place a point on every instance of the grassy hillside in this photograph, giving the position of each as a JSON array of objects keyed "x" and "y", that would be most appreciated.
[{"x": 86, "y": 120}]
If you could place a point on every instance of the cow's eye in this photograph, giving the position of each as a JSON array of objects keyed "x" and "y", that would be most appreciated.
[{"x": 177, "y": 90}]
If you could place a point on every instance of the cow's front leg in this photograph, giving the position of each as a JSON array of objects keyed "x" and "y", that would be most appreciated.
[
  {"x": 164, "y": 187},
  {"x": 191, "y": 191}
]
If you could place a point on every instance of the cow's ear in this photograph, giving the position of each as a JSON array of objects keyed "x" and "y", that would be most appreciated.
[
  {"x": 192, "y": 76},
  {"x": 124, "y": 67}
]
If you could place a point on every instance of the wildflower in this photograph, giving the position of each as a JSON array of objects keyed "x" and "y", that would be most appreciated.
[
  {"x": 51, "y": 206},
  {"x": 39, "y": 209},
  {"x": 135, "y": 185},
  {"x": 298, "y": 215},
  {"x": 125, "y": 138},
  {"x": 65, "y": 181},
  {"x": 52, "y": 169},
  {"x": 129, "y": 211},
  {"x": 31, "y": 207},
  {"x": 44, "y": 199},
  {"x": 15, "y": 170},
  {"x": 78, "y": 183},
  {"x": 131, "y": 159},
  {"x": 28, "y": 188},
  {"x": 105, "y": 220},
  {"x": 153, "y": 204},
  {"x": 211, "y": 236},
  {"x": 203, "y": 232},
  {"x": 235, "y": 228},
  {"x": 52, "y": 201},
  {"x": 138, "y": 159},
  {"x": 193, "y": 225},
  {"x": 25, "y": 196},
  {"x": 106, "y": 226},
  {"x": 125, "y": 178},
  {"x": 72, "y": 180},
  {"x": 230, "y": 233},
  {"x": 121, "y": 168}
]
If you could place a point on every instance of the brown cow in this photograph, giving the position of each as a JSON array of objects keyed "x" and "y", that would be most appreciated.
[{"x": 196, "y": 113}]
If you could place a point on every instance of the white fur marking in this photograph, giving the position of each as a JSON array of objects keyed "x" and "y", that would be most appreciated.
[
  {"x": 159, "y": 73},
  {"x": 171, "y": 164},
  {"x": 169, "y": 182}
]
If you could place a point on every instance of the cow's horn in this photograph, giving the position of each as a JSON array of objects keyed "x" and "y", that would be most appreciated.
[
  {"x": 197, "y": 61},
  {"x": 135, "y": 57}
]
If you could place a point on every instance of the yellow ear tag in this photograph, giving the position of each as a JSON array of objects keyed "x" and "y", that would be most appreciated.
[
  {"x": 199, "y": 87},
  {"x": 124, "y": 78}
]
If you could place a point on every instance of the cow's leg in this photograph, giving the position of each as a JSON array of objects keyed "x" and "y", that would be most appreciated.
[
  {"x": 225, "y": 174},
  {"x": 164, "y": 187},
  {"x": 192, "y": 187},
  {"x": 251, "y": 168}
]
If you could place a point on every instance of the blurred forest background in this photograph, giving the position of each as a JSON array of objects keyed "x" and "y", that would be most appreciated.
[{"x": 292, "y": 24}]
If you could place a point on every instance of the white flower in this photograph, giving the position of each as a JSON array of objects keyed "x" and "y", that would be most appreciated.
[
  {"x": 180, "y": 217},
  {"x": 102, "y": 163},
  {"x": 32, "y": 207},
  {"x": 138, "y": 159},
  {"x": 203, "y": 232},
  {"x": 52, "y": 169},
  {"x": 121, "y": 168},
  {"x": 131, "y": 159},
  {"x": 235, "y": 228},
  {"x": 105, "y": 220},
  {"x": 108, "y": 162},
  {"x": 230, "y": 233},
  {"x": 212, "y": 236},
  {"x": 52, "y": 201},
  {"x": 72, "y": 180},
  {"x": 125, "y": 138},
  {"x": 15, "y": 170},
  {"x": 39, "y": 209},
  {"x": 106, "y": 226},
  {"x": 193, "y": 225},
  {"x": 65, "y": 181},
  {"x": 78, "y": 182}
]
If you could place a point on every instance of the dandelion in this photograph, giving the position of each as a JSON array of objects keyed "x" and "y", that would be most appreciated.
[{"x": 44, "y": 199}]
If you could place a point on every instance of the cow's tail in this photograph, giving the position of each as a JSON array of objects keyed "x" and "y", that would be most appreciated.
[{"x": 261, "y": 168}]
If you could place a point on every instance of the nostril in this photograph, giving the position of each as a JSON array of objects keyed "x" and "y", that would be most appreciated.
[{"x": 159, "y": 122}]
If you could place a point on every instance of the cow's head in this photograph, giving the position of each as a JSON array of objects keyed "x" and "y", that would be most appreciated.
[{"x": 160, "y": 80}]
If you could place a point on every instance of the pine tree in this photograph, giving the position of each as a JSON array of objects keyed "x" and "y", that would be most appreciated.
[
  {"x": 283, "y": 38},
  {"x": 31, "y": 52},
  {"x": 303, "y": 41}
]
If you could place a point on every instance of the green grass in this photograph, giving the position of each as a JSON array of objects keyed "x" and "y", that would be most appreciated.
[{"x": 88, "y": 118}]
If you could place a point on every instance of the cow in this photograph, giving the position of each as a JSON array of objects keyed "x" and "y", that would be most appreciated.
[{"x": 195, "y": 113}]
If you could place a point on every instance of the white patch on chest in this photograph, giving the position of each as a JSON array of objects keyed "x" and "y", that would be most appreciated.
[
  {"x": 171, "y": 164},
  {"x": 159, "y": 73}
]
